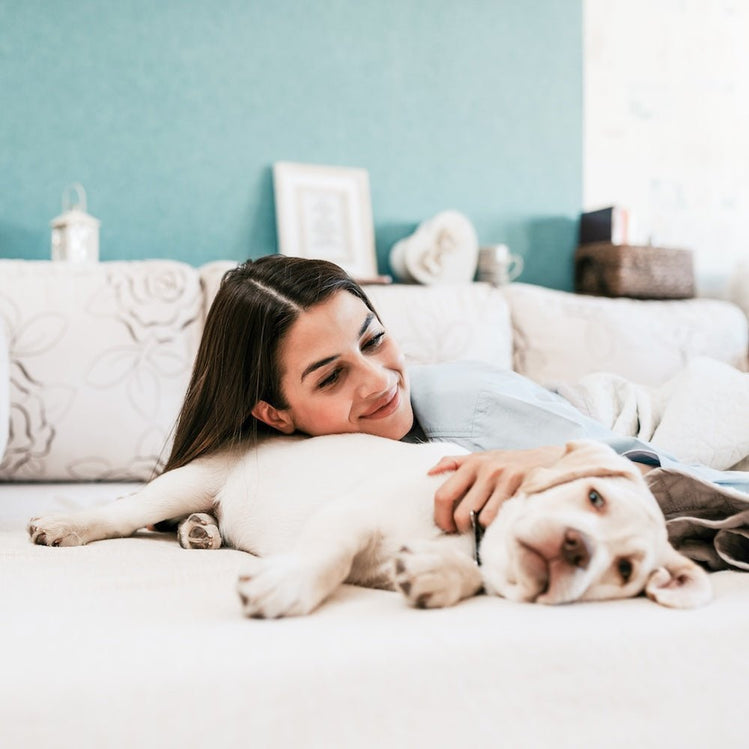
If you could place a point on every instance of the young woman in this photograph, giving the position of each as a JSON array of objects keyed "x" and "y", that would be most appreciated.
[{"x": 294, "y": 345}]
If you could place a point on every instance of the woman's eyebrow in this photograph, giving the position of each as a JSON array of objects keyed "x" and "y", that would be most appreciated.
[
  {"x": 328, "y": 359},
  {"x": 368, "y": 319},
  {"x": 317, "y": 365}
]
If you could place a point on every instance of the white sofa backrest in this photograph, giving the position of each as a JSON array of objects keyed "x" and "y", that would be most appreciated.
[
  {"x": 4, "y": 392},
  {"x": 100, "y": 356},
  {"x": 560, "y": 337},
  {"x": 434, "y": 324}
]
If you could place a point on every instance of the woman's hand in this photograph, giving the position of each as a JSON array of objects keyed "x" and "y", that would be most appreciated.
[{"x": 482, "y": 482}]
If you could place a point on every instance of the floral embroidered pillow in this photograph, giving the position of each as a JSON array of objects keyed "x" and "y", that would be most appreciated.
[{"x": 100, "y": 356}]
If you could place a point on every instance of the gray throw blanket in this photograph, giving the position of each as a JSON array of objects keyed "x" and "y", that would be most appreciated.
[{"x": 707, "y": 523}]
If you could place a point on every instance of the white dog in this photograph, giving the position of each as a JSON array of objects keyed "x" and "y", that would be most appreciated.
[{"x": 325, "y": 510}]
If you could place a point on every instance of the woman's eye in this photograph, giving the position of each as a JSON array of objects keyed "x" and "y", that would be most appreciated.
[
  {"x": 374, "y": 341},
  {"x": 624, "y": 568},
  {"x": 596, "y": 499},
  {"x": 331, "y": 379}
]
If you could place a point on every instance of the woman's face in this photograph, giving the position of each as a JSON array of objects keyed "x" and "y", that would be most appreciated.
[{"x": 341, "y": 372}]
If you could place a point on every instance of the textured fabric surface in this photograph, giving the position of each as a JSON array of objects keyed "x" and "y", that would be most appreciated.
[
  {"x": 4, "y": 393},
  {"x": 561, "y": 337},
  {"x": 707, "y": 523},
  {"x": 210, "y": 280},
  {"x": 139, "y": 642},
  {"x": 100, "y": 356},
  {"x": 435, "y": 324},
  {"x": 21, "y": 501},
  {"x": 700, "y": 415}
]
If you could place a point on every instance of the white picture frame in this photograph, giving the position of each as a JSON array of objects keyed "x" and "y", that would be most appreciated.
[{"x": 325, "y": 212}]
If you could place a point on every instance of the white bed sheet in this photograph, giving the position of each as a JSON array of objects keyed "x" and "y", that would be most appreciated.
[{"x": 138, "y": 642}]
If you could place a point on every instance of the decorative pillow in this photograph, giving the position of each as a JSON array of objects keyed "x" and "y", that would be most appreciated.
[
  {"x": 100, "y": 356},
  {"x": 447, "y": 322},
  {"x": 4, "y": 395},
  {"x": 210, "y": 279},
  {"x": 560, "y": 337}
]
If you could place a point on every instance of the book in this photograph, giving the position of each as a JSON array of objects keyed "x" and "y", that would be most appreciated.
[{"x": 610, "y": 224}]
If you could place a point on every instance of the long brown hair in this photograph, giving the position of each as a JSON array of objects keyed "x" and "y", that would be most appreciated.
[{"x": 237, "y": 361}]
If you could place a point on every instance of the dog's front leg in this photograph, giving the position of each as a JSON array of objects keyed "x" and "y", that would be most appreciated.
[
  {"x": 173, "y": 494},
  {"x": 297, "y": 582}
]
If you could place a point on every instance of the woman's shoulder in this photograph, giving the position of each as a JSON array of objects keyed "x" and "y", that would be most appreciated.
[
  {"x": 461, "y": 376},
  {"x": 484, "y": 407},
  {"x": 447, "y": 397}
]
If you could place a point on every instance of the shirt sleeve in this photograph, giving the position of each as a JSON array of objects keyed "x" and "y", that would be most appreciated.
[
  {"x": 483, "y": 408},
  {"x": 480, "y": 407}
]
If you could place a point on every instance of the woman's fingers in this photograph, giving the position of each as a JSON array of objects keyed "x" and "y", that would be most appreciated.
[
  {"x": 469, "y": 488},
  {"x": 478, "y": 486},
  {"x": 448, "y": 463},
  {"x": 498, "y": 497},
  {"x": 449, "y": 494},
  {"x": 475, "y": 498},
  {"x": 486, "y": 496},
  {"x": 482, "y": 482}
]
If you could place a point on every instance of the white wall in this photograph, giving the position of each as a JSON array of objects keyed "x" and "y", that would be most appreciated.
[{"x": 666, "y": 124}]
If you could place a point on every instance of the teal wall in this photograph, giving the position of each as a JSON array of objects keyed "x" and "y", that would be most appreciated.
[{"x": 172, "y": 112}]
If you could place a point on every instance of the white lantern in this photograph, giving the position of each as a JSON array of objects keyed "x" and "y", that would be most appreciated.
[{"x": 75, "y": 234}]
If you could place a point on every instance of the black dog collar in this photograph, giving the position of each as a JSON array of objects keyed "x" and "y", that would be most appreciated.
[{"x": 478, "y": 534}]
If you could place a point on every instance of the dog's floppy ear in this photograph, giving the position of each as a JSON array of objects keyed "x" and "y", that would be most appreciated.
[
  {"x": 679, "y": 583},
  {"x": 581, "y": 459}
]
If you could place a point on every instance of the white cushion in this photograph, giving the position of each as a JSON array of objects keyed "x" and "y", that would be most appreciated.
[
  {"x": 560, "y": 337},
  {"x": 434, "y": 324},
  {"x": 4, "y": 394},
  {"x": 210, "y": 280},
  {"x": 100, "y": 356}
]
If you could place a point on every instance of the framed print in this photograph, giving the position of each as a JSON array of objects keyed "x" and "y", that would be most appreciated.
[{"x": 325, "y": 212}]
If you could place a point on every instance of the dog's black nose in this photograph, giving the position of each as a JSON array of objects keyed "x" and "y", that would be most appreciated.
[{"x": 577, "y": 548}]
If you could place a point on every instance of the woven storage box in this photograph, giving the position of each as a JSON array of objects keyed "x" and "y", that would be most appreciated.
[{"x": 607, "y": 269}]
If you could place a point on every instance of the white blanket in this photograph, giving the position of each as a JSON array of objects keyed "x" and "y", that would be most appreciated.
[
  {"x": 699, "y": 416},
  {"x": 137, "y": 642}
]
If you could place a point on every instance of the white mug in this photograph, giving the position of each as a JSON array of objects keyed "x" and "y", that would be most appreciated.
[{"x": 498, "y": 265}]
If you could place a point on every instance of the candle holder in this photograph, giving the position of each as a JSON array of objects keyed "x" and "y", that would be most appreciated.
[{"x": 75, "y": 233}]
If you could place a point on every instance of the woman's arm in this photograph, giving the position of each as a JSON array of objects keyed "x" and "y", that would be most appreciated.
[{"x": 482, "y": 482}]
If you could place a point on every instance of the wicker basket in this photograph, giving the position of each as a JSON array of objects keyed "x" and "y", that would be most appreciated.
[{"x": 606, "y": 269}]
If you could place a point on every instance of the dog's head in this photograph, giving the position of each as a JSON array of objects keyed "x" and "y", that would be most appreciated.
[{"x": 587, "y": 528}]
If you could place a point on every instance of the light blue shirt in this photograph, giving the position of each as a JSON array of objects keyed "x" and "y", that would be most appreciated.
[{"x": 481, "y": 407}]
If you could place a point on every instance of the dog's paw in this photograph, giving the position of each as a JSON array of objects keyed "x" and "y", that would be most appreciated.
[
  {"x": 57, "y": 530},
  {"x": 431, "y": 577},
  {"x": 279, "y": 586},
  {"x": 199, "y": 531}
]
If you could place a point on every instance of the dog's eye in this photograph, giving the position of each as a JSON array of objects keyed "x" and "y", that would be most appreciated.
[
  {"x": 624, "y": 568},
  {"x": 596, "y": 499}
]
